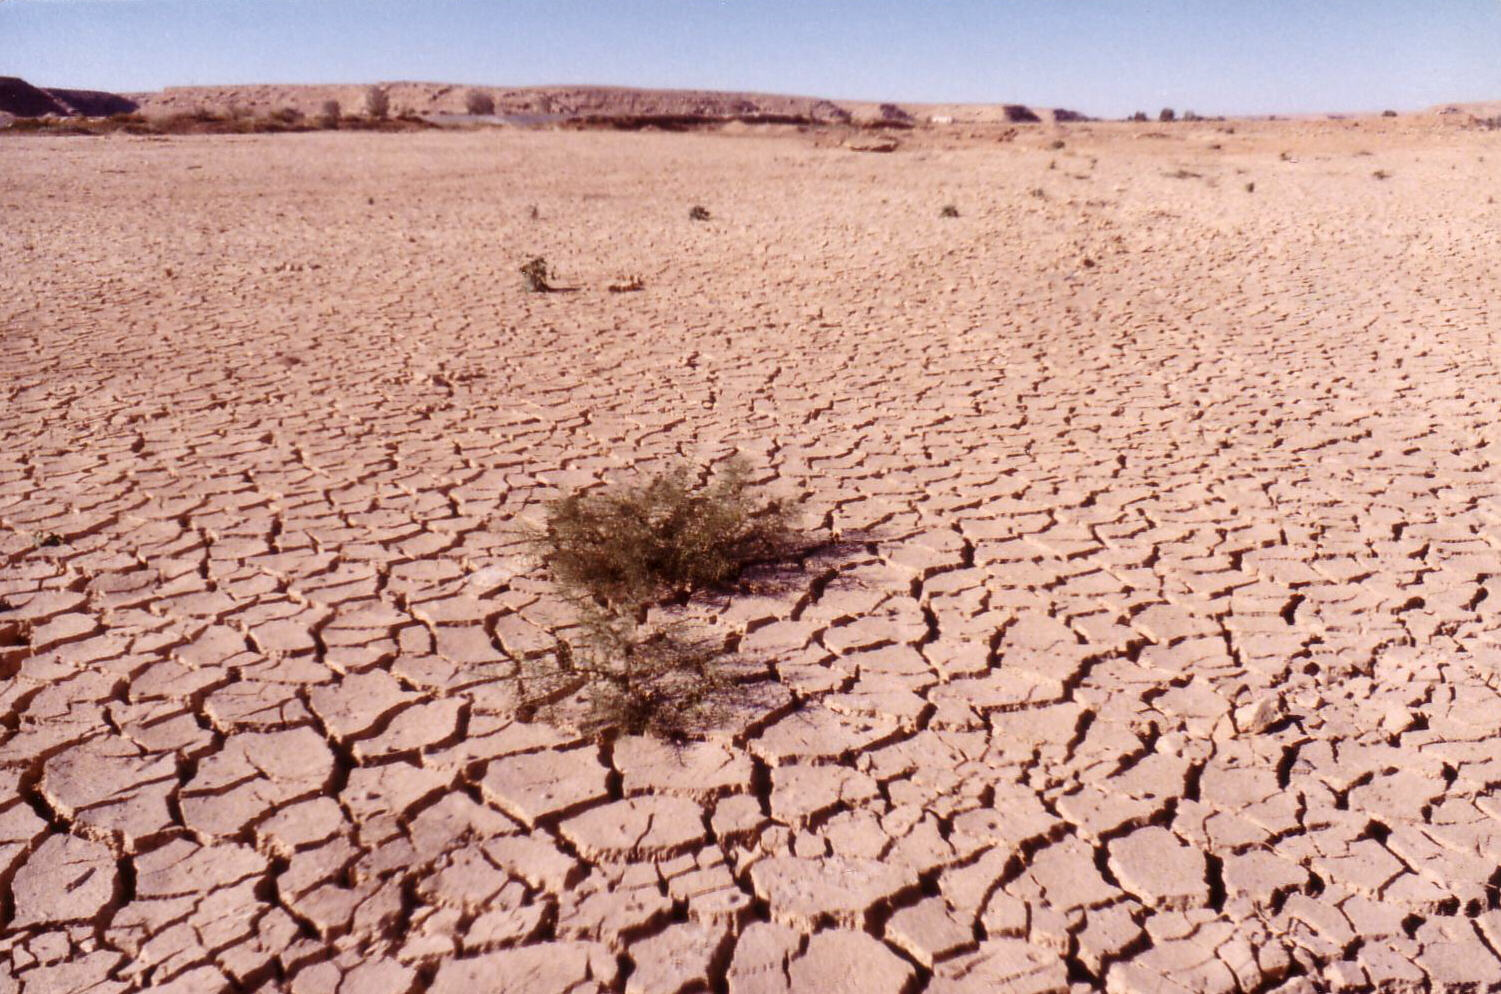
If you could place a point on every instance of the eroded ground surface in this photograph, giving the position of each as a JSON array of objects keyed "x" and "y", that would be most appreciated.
[{"x": 1161, "y": 652}]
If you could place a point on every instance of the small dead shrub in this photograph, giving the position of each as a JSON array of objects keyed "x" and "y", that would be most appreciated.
[
  {"x": 627, "y": 284},
  {"x": 537, "y": 275},
  {"x": 698, "y": 213},
  {"x": 949, "y": 210},
  {"x": 1382, "y": 174}
]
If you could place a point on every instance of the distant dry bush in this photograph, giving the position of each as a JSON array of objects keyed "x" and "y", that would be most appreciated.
[
  {"x": 329, "y": 114},
  {"x": 1166, "y": 115},
  {"x": 537, "y": 275},
  {"x": 377, "y": 103},
  {"x": 479, "y": 102},
  {"x": 948, "y": 210},
  {"x": 698, "y": 213}
]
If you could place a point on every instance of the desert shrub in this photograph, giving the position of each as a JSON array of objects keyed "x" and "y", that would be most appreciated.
[
  {"x": 698, "y": 213},
  {"x": 1251, "y": 187},
  {"x": 377, "y": 103},
  {"x": 1381, "y": 174},
  {"x": 1056, "y": 144},
  {"x": 286, "y": 115},
  {"x": 1139, "y": 116},
  {"x": 617, "y": 551},
  {"x": 537, "y": 275},
  {"x": 949, "y": 210},
  {"x": 329, "y": 114},
  {"x": 1166, "y": 115},
  {"x": 479, "y": 102},
  {"x": 1388, "y": 113},
  {"x": 627, "y": 284},
  {"x": 629, "y": 546},
  {"x": 668, "y": 683}
]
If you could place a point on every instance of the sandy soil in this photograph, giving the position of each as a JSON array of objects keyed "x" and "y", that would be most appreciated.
[{"x": 1161, "y": 653}]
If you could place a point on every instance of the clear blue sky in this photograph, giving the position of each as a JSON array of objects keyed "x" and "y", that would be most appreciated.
[{"x": 1104, "y": 57}]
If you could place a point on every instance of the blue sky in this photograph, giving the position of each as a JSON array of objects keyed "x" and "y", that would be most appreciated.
[{"x": 1105, "y": 57}]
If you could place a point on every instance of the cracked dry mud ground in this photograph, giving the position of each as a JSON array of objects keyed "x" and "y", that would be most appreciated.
[{"x": 1165, "y": 657}]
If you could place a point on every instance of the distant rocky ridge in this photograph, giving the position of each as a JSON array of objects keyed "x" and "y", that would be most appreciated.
[{"x": 588, "y": 104}]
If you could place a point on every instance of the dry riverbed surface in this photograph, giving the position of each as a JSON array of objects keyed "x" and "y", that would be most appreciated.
[{"x": 1153, "y": 645}]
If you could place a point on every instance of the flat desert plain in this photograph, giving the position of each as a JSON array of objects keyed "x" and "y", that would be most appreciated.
[{"x": 1152, "y": 643}]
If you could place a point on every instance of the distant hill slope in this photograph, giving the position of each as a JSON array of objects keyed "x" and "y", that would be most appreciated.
[
  {"x": 20, "y": 99},
  {"x": 93, "y": 103}
]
